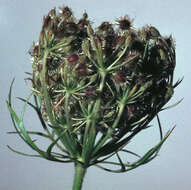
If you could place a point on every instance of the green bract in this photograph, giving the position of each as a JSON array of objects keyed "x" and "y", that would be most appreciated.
[{"x": 94, "y": 90}]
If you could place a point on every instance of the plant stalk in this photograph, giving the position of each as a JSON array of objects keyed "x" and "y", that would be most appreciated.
[{"x": 80, "y": 171}]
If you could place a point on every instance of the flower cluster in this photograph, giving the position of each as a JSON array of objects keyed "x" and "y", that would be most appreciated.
[
  {"x": 107, "y": 64},
  {"x": 95, "y": 89}
]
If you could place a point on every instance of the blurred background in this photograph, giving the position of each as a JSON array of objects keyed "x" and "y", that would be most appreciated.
[{"x": 20, "y": 25}]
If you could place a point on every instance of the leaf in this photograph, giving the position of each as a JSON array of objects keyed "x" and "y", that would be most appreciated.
[
  {"x": 21, "y": 153},
  {"x": 160, "y": 127},
  {"x": 145, "y": 54},
  {"x": 19, "y": 122},
  {"x": 130, "y": 152},
  {"x": 130, "y": 94},
  {"x": 54, "y": 143},
  {"x": 30, "y": 104},
  {"x": 31, "y": 132},
  {"x": 150, "y": 155},
  {"x": 172, "y": 105},
  {"x": 121, "y": 163},
  {"x": 139, "y": 121},
  {"x": 37, "y": 109},
  {"x": 153, "y": 150},
  {"x": 9, "y": 104},
  {"x": 178, "y": 82},
  {"x": 24, "y": 107}
]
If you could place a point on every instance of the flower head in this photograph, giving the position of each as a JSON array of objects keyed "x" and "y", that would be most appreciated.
[{"x": 96, "y": 89}]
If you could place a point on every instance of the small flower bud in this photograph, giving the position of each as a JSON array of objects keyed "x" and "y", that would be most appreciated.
[
  {"x": 73, "y": 59},
  {"x": 82, "y": 69},
  {"x": 47, "y": 80},
  {"x": 120, "y": 77},
  {"x": 52, "y": 13},
  {"x": 66, "y": 12},
  {"x": 39, "y": 67},
  {"x": 90, "y": 30},
  {"x": 120, "y": 40},
  {"x": 83, "y": 21},
  {"x": 50, "y": 34},
  {"x": 85, "y": 15},
  {"x": 154, "y": 32},
  {"x": 97, "y": 42},
  {"x": 124, "y": 23},
  {"x": 38, "y": 83},
  {"x": 46, "y": 22},
  {"x": 104, "y": 26},
  {"x": 35, "y": 50},
  {"x": 131, "y": 109},
  {"x": 90, "y": 92}
]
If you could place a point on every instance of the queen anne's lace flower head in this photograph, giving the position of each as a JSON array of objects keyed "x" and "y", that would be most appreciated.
[{"x": 95, "y": 89}]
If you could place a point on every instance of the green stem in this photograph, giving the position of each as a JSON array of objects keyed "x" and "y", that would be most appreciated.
[
  {"x": 80, "y": 171},
  {"x": 45, "y": 90}
]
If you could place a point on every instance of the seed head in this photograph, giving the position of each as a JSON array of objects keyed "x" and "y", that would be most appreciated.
[{"x": 111, "y": 80}]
